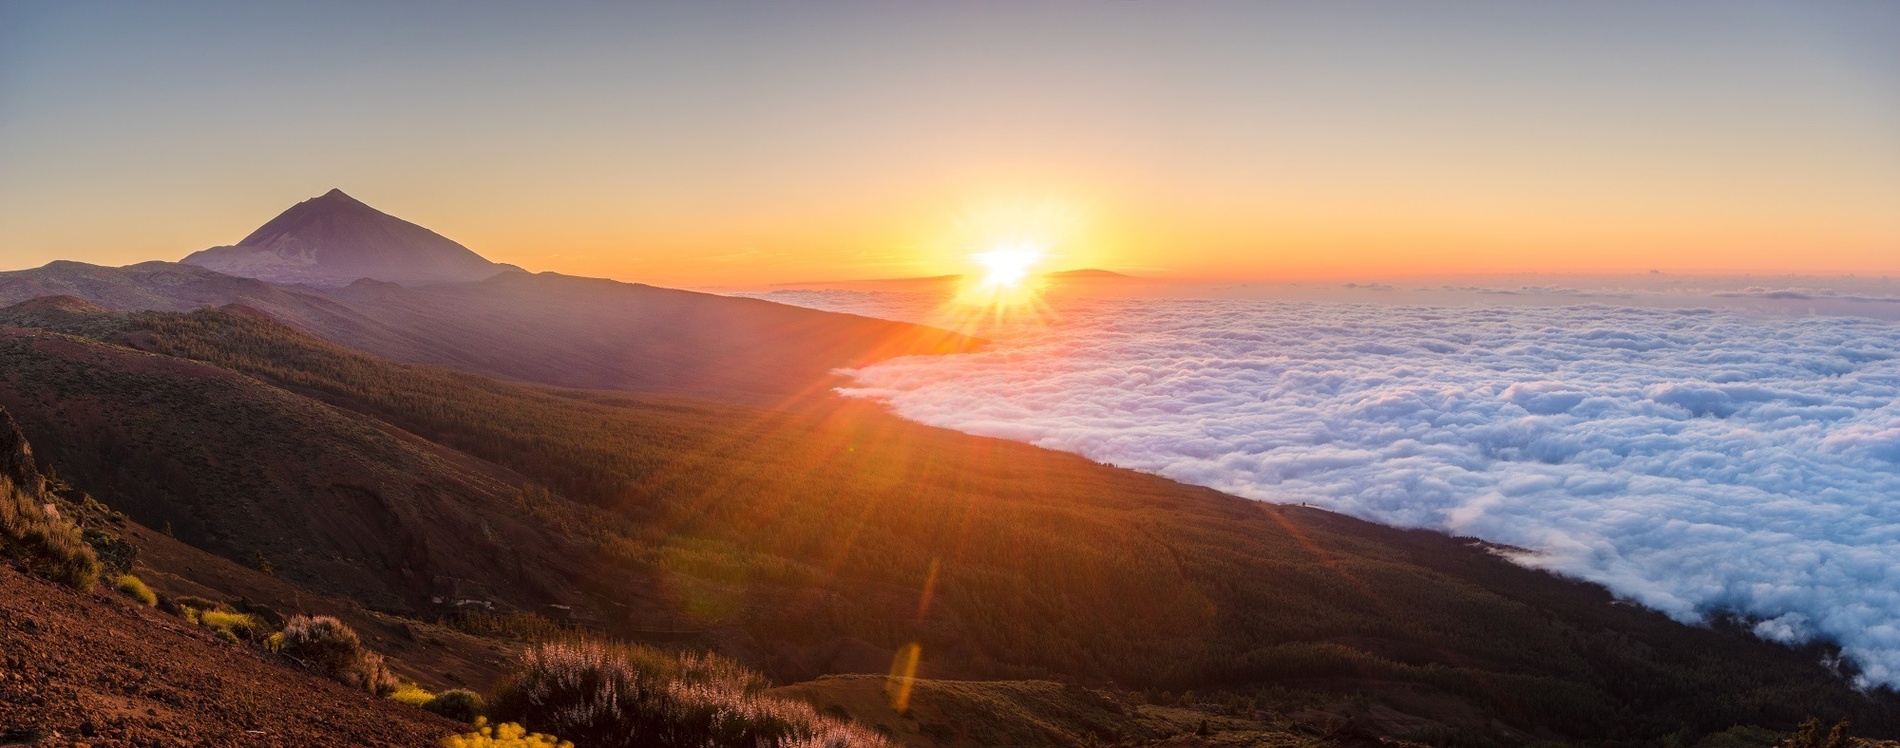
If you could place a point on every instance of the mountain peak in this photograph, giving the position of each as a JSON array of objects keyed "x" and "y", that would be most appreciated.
[{"x": 334, "y": 240}]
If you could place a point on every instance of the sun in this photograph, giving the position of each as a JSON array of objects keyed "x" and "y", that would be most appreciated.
[
  {"x": 1007, "y": 293},
  {"x": 1007, "y": 266}
]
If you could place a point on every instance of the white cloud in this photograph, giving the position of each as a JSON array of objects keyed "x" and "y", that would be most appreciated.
[{"x": 1691, "y": 460}]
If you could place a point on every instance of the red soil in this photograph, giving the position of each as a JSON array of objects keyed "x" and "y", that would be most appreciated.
[{"x": 98, "y": 669}]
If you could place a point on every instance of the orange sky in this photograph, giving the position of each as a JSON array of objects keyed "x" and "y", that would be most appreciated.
[{"x": 753, "y": 144}]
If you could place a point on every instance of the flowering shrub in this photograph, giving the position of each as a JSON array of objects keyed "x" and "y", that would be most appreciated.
[
  {"x": 329, "y": 647},
  {"x": 505, "y": 735},
  {"x": 606, "y": 696}
]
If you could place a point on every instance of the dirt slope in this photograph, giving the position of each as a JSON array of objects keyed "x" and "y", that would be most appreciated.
[{"x": 97, "y": 668}]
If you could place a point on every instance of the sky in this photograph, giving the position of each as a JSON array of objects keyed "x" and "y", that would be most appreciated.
[{"x": 711, "y": 143}]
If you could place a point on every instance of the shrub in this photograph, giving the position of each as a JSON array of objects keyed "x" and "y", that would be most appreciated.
[
  {"x": 195, "y": 603},
  {"x": 457, "y": 704},
  {"x": 135, "y": 588},
  {"x": 327, "y": 646},
  {"x": 624, "y": 696},
  {"x": 51, "y": 546},
  {"x": 411, "y": 694},
  {"x": 235, "y": 626},
  {"x": 505, "y": 735},
  {"x": 1811, "y": 736},
  {"x": 526, "y": 627}
]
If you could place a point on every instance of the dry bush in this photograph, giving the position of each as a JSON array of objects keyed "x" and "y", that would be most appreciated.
[
  {"x": 329, "y": 647},
  {"x": 50, "y": 546},
  {"x": 622, "y": 696}
]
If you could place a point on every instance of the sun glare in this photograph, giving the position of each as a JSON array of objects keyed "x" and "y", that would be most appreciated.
[
  {"x": 1007, "y": 291},
  {"x": 1007, "y": 266}
]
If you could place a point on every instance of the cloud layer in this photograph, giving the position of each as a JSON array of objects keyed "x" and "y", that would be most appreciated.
[{"x": 1691, "y": 460}]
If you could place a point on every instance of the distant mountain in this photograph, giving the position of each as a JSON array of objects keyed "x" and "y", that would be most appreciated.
[
  {"x": 1088, "y": 273},
  {"x": 335, "y": 239},
  {"x": 928, "y": 280},
  {"x": 536, "y": 327}
]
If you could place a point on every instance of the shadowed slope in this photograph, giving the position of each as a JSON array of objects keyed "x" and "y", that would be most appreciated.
[
  {"x": 796, "y": 537},
  {"x": 97, "y": 667},
  {"x": 253, "y": 473},
  {"x": 544, "y": 328}
]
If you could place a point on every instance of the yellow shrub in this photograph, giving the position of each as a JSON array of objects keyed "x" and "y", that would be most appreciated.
[
  {"x": 411, "y": 694},
  {"x": 135, "y": 588},
  {"x": 236, "y": 625},
  {"x": 504, "y": 735}
]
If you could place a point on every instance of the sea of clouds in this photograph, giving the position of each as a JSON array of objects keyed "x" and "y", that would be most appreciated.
[{"x": 1691, "y": 460}]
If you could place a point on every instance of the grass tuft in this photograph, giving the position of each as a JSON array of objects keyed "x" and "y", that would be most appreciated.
[
  {"x": 135, "y": 588},
  {"x": 50, "y": 545}
]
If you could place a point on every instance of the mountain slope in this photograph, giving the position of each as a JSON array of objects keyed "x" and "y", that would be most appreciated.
[
  {"x": 250, "y": 472},
  {"x": 544, "y": 328},
  {"x": 335, "y": 240},
  {"x": 95, "y": 667},
  {"x": 825, "y": 539},
  {"x": 91, "y": 666}
]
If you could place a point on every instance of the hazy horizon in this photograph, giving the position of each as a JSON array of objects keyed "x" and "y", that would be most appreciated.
[{"x": 734, "y": 144}]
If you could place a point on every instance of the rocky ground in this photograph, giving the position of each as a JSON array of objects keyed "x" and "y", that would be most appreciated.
[{"x": 98, "y": 669}]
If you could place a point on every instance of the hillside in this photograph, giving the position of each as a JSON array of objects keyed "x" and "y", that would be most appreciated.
[
  {"x": 334, "y": 240},
  {"x": 80, "y": 664},
  {"x": 94, "y": 667},
  {"x": 824, "y": 539},
  {"x": 543, "y": 328},
  {"x": 256, "y": 474}
]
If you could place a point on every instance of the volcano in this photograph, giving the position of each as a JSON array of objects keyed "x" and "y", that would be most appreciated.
[{"x": 335, "y": 240}]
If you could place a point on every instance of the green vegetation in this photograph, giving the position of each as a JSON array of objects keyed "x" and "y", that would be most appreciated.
[
  {"x": 504, "y": 735},
  {"x": 229, "y": 625},
  {"x": 517, "y": 625},
  {"x": 134, "y": 588},
  {"x": 623, "y": 696},
  {"x": 1812, "y": 735},
  {"x": 242, "y": 626},
  {"x": 458, "y": 704},
  {"x": 328, "y": 647},
  {"x": 803, "y": 526}
]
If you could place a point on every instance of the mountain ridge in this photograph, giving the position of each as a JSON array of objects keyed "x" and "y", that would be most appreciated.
[
  {"x": 334, "y": 240},
  {"x": 546, "y": 328}
]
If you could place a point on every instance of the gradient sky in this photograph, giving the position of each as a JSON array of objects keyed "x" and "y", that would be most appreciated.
[{"x": 706, "y": 143}]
